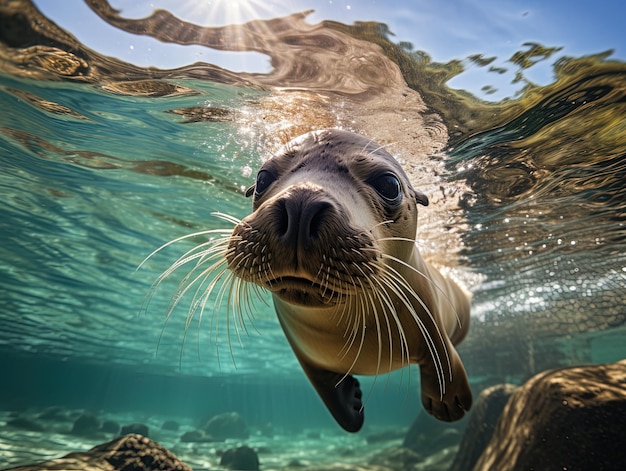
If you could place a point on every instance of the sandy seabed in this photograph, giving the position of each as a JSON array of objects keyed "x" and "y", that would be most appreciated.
[{"x": 281, "y": 448}]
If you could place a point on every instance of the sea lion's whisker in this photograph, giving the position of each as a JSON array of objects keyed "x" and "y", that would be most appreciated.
[
  {"x": 269, "y": 269},
  {"x": 423, "y": 275},
  {"x": 239, "y": 260},
  {"x": 357, "y": 321},
  {"x": 193, "y": 308},
  {"x": 201, "y": 296},
  {"x": 221, "y": 293},
  {"x": 395, "y": 281},
  {"x": 379, "y": 336},
  {"x": 241, "y": 294},
  {"x": 397, "y": 278},
  {"x": 380, "y": 146},
  {"x": 344, "y": 301},
  {"x": 390, "y": 309},
  {"x": 391, "y": 280},
  {"x": 367, "y": 144},
  {"x": 350, "y": 332},
  {"x": 404, "y": 345},
  {"x": 187, "y": 236},
  {"x": 385, "y": 297},
  {"x": 248, "y": 303},
  {"x": 320, "y": 269},
  {"x": 381, "y": 223},
  {"x": 199, "y": 301},
  {"x": 405, "y": 283},
  {"x": 201, "y": 293},
  {"x": 185, "y": 285},
  {"x": 215, "y": 252},
  {"x": 233, "y": 306},
  {"x": 226, "y": 217}
]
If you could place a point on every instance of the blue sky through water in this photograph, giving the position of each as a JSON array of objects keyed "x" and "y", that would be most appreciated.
[{"x": 445, "y": 30}]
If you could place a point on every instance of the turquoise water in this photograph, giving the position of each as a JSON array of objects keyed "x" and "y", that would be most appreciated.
[
  {"x": 81, "y": 216},
  {"x": 98, "y": 171}
]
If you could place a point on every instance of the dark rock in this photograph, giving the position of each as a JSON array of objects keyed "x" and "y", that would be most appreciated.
[
  {"x": 110, "y": 426},
  {"x": 396, "y": 458},
  {"x": 481, "y": 423},
  {"x": 227, "y": 425},
  {"x": 296, "y": 464},
  {"x": 242, "y": 458},
  {"x": 128, "y": 453},
  {"x": 170, "y": 425},
  {"x": 447, "y": 438},
  {"x": 385, "y": 436},
  {"x": 197, "y": 436},
  {"x": 141, "y": 429},
  {"x": 428, "y": 436},
  {"x": 192, "y": 436},
  {"x": 55, "y": 414},
  {"x": 573, "y": 418},
  {"x": 86, "y": 425},
  {"x": 25, "y": 424}
]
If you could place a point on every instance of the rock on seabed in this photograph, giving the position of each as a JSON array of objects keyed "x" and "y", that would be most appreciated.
[
  {"x": 131, "y": 452},
  {"x": 567, "y": 419}
]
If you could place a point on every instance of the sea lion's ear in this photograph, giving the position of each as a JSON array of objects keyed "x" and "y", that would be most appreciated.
[
  {"x": 250, "y": 191},
  {"x": 421, "y": 198}
]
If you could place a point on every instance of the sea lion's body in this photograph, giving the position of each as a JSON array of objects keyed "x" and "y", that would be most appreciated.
[{"x": 332, "y": 236}]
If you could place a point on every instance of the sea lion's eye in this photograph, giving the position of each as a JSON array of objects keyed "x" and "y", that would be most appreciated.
[
  {"x": 263, "y": 180},
  {"x": 388, "y": 186}
]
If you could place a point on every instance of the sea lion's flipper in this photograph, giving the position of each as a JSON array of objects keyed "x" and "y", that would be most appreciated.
[
  {"x": 457, "y": 396},
  {"x": 341, "y": 394}
]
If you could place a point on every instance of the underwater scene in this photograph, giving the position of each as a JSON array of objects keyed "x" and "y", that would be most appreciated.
[{"x": 188, "y": 282}]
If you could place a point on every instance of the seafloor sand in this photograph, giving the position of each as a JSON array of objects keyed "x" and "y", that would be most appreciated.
[{"x": 281, "y": 448}]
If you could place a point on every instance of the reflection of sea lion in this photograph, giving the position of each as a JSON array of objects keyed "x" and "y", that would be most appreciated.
[{"x": 332, "y": 237}]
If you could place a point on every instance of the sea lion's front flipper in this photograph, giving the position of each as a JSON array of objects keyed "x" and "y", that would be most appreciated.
[
  {"x": 456, "y": 398},
  {"x": 341, "y": 394}
]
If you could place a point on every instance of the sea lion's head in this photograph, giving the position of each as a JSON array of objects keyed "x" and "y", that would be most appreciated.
[{"x": 326, "y": 207}]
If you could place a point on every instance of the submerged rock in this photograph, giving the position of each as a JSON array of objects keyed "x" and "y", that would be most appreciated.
[
  {"x": 110, "y": 426},
  {"x": 427, "y": 435},
  {"x": 385, "y": 435},
  {"x": 25, "y": 424},
  {"x": 241, "y": 458},
  {"x": 482, "y": 421},
  {"x": 128, "y": 453},
  {"x": 573, "y": 418},
  {"x": 54, "y": 414},
  {"x": 86, "y": 425},
  {"x": 141, "y": 429},
  {"x": 171, "y": 425},
  {"x": 397, "y": 458},
  {"x": 227, "y": 425}
]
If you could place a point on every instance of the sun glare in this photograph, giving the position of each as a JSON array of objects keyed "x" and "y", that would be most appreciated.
[{"x": 226, "y": 12}]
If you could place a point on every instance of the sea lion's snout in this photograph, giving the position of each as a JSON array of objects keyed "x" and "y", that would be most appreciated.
[
  {"x": 301, "y": 215},
  {"x": 302, "y": 246}
]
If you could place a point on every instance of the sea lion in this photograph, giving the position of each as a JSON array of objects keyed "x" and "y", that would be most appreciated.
[{"x": 332, "y": 237}]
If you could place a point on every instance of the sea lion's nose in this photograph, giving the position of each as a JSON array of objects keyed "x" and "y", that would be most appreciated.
[{"x": 301, "y": 216}]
